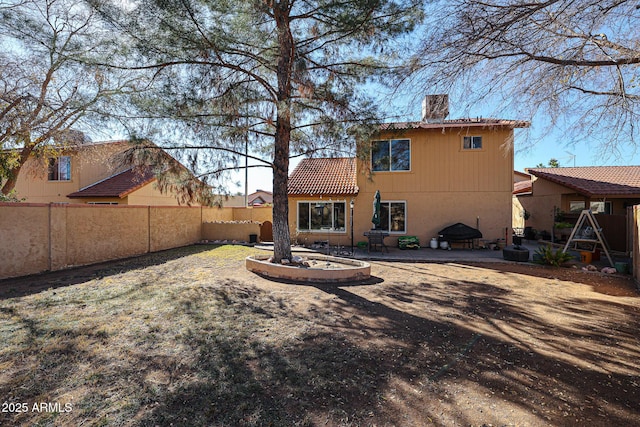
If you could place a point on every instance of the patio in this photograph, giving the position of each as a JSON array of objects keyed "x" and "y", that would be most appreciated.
[
  {"x": 438, "y": 255},
  {"x": 426, "y": 254}
]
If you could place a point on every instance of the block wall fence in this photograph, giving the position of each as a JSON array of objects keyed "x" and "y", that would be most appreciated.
[{"x": 49, "y": 237}]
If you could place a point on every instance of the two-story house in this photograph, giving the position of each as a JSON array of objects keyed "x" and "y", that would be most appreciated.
[
  {"x": 89, "y": 173},
  {"x": 430, "y": 174}
]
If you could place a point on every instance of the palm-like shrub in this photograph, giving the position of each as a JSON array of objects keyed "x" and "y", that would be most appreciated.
[{"x": 546, "y": 255}]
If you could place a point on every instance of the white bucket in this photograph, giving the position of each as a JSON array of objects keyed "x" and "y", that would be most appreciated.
[
  {"x": 434, "y": 243},
  {"x": 444, "y": 245}
]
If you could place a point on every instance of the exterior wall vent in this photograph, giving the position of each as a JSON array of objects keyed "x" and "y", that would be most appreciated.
[{"x": 435, "y": 108}]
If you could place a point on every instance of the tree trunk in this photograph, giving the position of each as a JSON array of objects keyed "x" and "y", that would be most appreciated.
[
  {"x": 281, "y": 235},
  {"x": 10, "y": 184},
  {"x": 12, "y": 175}
]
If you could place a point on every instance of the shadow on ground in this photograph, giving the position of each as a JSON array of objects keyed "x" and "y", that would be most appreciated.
[
  {"x": 27, "y": 285},
  {"x": 425, "y": 350},
  {"x": 374, "y": 364}
]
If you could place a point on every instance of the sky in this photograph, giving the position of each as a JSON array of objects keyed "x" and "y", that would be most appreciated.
[{"x": 530, "y": 150}]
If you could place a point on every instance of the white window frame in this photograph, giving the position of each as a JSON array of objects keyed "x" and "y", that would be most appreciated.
[
  {"x": 471, "y": 145},
  {"x": 59, "y": 168},
  {"x": 577, "y": 204},
  {"x": 388, "y": 202},
  {"x": 312, "y": 205},
  {"x": 605, "y": 204},
  {"x": 390, "y": 141}
]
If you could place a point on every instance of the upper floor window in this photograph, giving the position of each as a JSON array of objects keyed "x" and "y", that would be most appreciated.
[
  {"x": 391, "y": 155},
  {"x": 60, "y": 168},
  {"x": 472, "y": 143}
]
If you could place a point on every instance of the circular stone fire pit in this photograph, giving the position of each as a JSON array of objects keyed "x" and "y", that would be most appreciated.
[{"x": 321, "y": 269}]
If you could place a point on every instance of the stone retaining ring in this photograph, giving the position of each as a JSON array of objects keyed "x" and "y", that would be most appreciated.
[{"x": 351, "y": 270}]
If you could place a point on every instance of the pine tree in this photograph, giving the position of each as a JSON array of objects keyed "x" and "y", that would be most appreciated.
[{"x": 278, "y": 76}]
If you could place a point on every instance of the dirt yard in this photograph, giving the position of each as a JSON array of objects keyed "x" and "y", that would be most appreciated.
[{"x": 189, "y": 337}]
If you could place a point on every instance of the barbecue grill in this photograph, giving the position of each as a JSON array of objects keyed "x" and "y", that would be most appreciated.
[{"x": 460, "y": 233}]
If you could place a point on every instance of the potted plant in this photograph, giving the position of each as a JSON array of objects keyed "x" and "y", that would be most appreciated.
[{"x": 563, "y": 229}]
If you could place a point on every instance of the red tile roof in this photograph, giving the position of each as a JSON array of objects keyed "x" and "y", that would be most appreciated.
[
  {"x": 119, "y": 185},
  {"x": 324, "y": 176},
  {"x": 260, "y": 197},
  {"x": 522, "y": 187},
  {"x": 457, "y": 123},
  {"x": 523, "y": 176},
  {"x": 595, "y": 180}
]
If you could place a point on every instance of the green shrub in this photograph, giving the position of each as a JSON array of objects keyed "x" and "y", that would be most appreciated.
[
  {"x": 11, "y": 197},
  {"x": 559, "y": 225},
  {"x": 546, "y": 255}
]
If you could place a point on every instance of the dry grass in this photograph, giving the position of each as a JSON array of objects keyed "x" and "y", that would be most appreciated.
[
  {"x": 188, "y": 337},
  {"x": 118, "y": 344}
]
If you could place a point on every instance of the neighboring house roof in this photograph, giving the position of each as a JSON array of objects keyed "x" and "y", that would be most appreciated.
[
  {"x": 119, "y": 185},
  {"x": 522, "y": 187},
  {"x": 593, "y": 181},
  {"x": 521, "y": 176},
  {"x": 260, "y": 197},
  {"x": 324, "y": 176},
  {"x": 456, "y": 123}
]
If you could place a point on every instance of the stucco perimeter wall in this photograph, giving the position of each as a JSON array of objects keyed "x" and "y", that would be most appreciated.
[
  {"x": 237, "y": 225},
  {"x": 259, "y": 214},
  {"x": 24, "y": 239},
  {"x": 229, "y": 231},
  {"x": 83, "y": 234},
  {"x": 40, "y": 237},
  {"x": 217, "y": 214},
  {"x": 172, "y": 227}
]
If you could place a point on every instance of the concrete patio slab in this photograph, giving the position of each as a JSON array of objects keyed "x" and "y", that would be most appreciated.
[
  {"x": 414, "y": 255},
  {"x": 438, "y": 255}
]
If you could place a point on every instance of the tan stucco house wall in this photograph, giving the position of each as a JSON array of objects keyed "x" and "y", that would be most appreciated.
[
  {"x": 445, "y": 184},
  {"x": 90, "y": 164}
]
